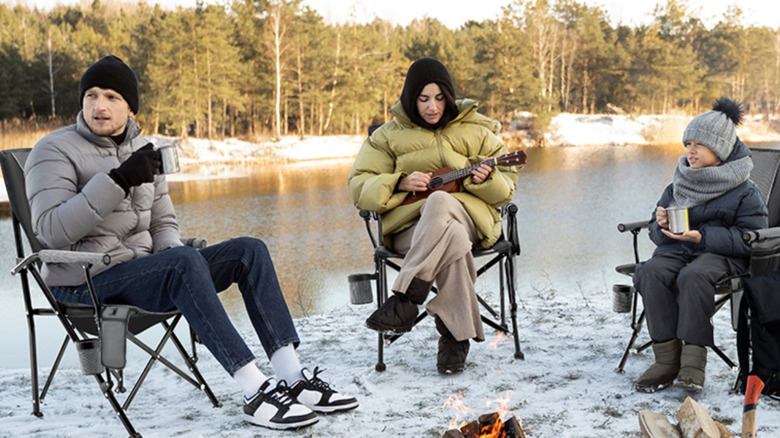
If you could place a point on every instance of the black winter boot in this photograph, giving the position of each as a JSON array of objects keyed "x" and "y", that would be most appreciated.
[
  {"x": 452, "y": 354},
  {"x": 398, "y": 313},
  {"x": 418, "y": 290}
]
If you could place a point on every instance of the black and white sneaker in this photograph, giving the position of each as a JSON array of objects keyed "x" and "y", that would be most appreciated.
[
  {"x": 273, "y": 407},
  {"x": 317, "y": 395}
]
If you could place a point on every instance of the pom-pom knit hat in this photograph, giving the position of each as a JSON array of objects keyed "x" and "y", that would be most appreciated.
[
  {"x": 111, "y": 73},
  {"x": 716, "y": 129}
]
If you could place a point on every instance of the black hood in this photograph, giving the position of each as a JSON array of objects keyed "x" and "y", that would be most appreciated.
[{"x": 421, "y": 73}]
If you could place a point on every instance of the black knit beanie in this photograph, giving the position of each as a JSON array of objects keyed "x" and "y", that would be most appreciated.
[
  {"x": 421, "y": 73},
  {"x": 112, "y": 73}
]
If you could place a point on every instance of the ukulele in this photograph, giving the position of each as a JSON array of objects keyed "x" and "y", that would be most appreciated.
[{"x": 448, "y": 180}]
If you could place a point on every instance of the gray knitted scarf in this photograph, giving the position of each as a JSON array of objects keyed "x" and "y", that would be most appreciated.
[{"x": 694, "y": 187}]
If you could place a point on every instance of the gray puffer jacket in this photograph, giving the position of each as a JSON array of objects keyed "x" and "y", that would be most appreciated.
[{"x": 76, "y": 206}]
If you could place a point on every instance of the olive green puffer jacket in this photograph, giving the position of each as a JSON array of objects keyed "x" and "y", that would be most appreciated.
[{"x": 400, "y": 147}]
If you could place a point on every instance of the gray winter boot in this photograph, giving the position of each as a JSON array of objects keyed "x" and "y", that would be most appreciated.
[
  {"x": 661, "y": 374},
  {"x": 693, "y": 361}
]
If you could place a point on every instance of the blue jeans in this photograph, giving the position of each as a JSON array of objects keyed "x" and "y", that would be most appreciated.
[{"x": 189, "y": 279}]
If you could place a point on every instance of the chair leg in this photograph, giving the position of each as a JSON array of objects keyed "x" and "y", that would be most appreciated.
[
  {"x": 194, "y": 370},
  {"x": 636, "y": 326},
  {"x": 381, "y": 296},
  {"x": 32, "y": 343},
  {"x": 55, "y": 366},
  {"x": 105, "y": 387},
  {"x": 502, "y": 291},
  {"x": 155, "y": 356},
  {"x": 512, "y": 292},
  {"x": 34, "y": 371},
  {"x": 725, "y": 358}
]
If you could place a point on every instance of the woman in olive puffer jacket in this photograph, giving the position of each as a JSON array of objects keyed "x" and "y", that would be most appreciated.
[{"x": 431, "y": 130}]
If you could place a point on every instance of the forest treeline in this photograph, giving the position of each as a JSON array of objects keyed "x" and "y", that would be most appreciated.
[{"x": 274, "y": 67}]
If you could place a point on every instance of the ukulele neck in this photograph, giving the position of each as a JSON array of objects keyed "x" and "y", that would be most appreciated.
[{"x": 462, "y": 173}]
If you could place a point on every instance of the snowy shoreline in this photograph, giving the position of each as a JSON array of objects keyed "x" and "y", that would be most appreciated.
[{"x": 230, "y": 158}]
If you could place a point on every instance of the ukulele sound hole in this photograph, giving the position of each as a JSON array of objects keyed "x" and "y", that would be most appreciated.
[{"x": 436, "y": 182}]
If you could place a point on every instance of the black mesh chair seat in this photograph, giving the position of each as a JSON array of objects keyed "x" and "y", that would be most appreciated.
[{"x": 83, "y": 318}]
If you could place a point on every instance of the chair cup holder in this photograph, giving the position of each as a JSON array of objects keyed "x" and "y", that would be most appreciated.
[
  {"x": 89, "y": 356},
  {"x": 360, "y": 288},
  {"x": 622, "y": 298}
]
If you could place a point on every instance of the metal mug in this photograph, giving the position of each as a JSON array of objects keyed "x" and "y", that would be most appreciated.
[
  {"x": 89, "y": 356},
  {"x": 360, "y": 288},
  {"x": 622, "y": 298},
  {"x": 169, "y": 159},
  {"x": 678, "y": 219}
]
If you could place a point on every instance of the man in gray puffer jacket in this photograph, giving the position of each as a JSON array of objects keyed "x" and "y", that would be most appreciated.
[{"x": 95, "y": 186}]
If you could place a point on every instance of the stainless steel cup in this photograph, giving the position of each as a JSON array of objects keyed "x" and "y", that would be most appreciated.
[
  {"x": 89, "y": 356},
  {"x": 622, "y": 298},
  {"x": 678, "y": 219},
  {"x": 169, "y": 159},
  {"x": 360, "y": 288}
]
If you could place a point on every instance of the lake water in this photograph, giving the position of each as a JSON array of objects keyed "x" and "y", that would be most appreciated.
[{"x": 570, "y": 200}]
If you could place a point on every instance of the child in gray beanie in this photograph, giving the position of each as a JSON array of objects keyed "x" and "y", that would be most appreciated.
[{"x": 678, "y": 284}]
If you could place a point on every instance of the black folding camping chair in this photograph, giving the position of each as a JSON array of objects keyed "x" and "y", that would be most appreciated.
[
  {"x": 98, "y": 332},
  {"x": 765, "y": 175}
]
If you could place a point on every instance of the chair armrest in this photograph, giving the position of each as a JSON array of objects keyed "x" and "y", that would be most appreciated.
[
  {"x": 368, "y": 216},
  {"x": 632, "y": 226},
  {"x": 59, "y": 256},
  {"x": 761, "y": 235},
  {"x": 194, "y": 242}
]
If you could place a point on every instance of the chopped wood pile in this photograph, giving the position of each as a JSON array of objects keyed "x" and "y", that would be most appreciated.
[{"x": 693, "y": 421}]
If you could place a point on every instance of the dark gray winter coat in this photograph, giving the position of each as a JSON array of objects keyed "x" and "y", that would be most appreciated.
[{"x": 721, "y": 222}]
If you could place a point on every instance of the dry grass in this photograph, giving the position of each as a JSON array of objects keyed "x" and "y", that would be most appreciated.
[{"x": 23, "y": 134}]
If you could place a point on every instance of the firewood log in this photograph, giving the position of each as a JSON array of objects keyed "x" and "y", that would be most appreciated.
[
  {"x": 655, "y": 425},
  {"x": 724, "y": 433},
  {"x": 695, "y": 422}
]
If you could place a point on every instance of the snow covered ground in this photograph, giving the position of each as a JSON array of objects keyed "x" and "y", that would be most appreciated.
[{"x": 565, "y": 387}]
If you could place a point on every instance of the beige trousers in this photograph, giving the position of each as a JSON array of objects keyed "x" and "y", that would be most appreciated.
[{"x": 438, "y": 247}]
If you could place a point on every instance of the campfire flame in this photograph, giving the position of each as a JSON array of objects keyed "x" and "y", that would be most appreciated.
[
  {"x": 493, "y": 345},
  {"x": 461, "y": 410},
  {"x": 502, "y": 406},
  {"x": 492, "y": 425}
]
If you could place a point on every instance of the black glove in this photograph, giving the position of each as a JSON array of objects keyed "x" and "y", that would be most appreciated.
[{"x": 138, "y": 168}]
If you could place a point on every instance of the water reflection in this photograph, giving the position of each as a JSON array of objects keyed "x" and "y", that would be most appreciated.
[
  {"x": 570, "y": 200},
  {"x": 303, "y": 214}
]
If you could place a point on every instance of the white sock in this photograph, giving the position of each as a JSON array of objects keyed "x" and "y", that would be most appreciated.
[
  {"x": 286, "y": 364},
  {"x": 249, "y": 377}
]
